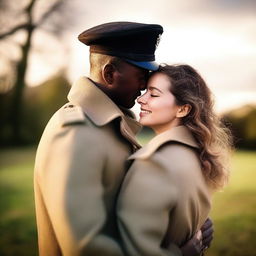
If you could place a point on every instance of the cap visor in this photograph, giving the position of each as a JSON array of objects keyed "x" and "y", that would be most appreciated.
[{"x": 149, "y": 65}]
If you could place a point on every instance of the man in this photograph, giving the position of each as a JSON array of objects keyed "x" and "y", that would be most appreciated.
[{"x": 80, "y": 162}]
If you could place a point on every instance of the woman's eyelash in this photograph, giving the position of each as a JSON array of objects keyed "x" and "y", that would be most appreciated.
[{"x": 152, "y": 95}]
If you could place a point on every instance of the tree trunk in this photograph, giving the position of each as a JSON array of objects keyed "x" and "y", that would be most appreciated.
[
  {"x": 17, "y": 100},
  {"x": 19, "y": 85}
]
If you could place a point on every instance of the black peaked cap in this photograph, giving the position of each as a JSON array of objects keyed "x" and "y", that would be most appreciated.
[{"x": 128, "y": 40}]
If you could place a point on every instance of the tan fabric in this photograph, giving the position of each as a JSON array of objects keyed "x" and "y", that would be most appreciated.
[
  {"x": 164, "y": 197},
  {"x": 80, "y": 164}
]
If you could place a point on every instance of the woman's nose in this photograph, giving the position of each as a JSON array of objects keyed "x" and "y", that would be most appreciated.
[{"x": 142, "y": 99}]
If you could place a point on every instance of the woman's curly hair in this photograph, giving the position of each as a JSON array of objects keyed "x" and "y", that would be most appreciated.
[{"x": 213, "y": 138}]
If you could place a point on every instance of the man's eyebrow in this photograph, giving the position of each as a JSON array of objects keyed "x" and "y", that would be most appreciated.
[{"x": 154, "y": 88}]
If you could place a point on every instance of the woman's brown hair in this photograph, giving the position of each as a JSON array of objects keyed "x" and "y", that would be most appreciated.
[{"x": 213, "y": 138}]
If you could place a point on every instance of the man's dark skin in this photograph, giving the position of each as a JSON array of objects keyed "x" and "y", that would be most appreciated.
[
  {"x": 196, "y": 246},
  {"x": 123, "y": 83}
]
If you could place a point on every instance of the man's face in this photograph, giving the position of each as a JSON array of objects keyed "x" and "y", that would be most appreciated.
[{"x": 129, "y": 81}]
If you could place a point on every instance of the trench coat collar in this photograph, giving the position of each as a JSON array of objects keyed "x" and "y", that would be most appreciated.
[
  {"x": 101, "y": 109},
  {"x": 179, "y": 134}
]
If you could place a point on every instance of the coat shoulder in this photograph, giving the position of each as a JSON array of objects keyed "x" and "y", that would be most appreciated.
[
  {"x": 177, "y": 151},
  {"x": 71, "y": 114},
  {"x": 70, "y": 122},
  {"x": 177, "y": 158}
]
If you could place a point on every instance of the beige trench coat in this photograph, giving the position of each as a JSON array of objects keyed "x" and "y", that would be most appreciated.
[
  {"x": 164, "y": 197},
  {"x": 80, "y": 164}
]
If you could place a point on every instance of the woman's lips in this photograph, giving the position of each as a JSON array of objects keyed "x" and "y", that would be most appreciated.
[{"x": 144, "y": 112}]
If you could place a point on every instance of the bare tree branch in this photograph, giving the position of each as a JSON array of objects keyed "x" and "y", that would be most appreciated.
[
  {"x": 30, "y": 6},
  {"x": 51, "y": 10},
  {"x": 15, "y": 29},
  {"x": 27, "y": 25}
]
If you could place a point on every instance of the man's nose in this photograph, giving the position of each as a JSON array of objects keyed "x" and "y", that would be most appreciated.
[
  {"x": 143, "y": 85},
  {"x": 144, "y": 81}
]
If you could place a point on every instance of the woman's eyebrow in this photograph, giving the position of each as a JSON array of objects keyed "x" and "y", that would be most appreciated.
[{"x": 154, "y": 88}]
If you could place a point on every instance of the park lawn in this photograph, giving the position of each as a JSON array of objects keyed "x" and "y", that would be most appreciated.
[
  {"x": 233, "y": 212},
  {"x": 17, "y": 223}
]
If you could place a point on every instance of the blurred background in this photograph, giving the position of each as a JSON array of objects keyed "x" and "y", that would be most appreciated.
[{"x": 40, "y": 57}]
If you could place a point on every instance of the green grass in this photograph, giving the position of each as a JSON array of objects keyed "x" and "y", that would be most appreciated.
[
  {"x": 233, "y": 212},
  {"x": 17, "y": 222}
]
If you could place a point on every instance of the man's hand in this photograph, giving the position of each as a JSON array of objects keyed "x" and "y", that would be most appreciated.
[
  {"x": 207, "y": 233},
  {"x": 200, "y": 241},
  {"x": 193, "y": 247}
]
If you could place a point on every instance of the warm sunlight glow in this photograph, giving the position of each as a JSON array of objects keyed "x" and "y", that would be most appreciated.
[{"x": 216, "y": 38}]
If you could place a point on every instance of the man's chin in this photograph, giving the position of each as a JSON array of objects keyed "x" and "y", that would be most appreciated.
[{"x": 127, "y": 105}]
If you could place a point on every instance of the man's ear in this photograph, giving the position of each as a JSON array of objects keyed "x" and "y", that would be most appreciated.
[
  {"x": 183, "y": 110},
  {"x": 108, "y": 73}
]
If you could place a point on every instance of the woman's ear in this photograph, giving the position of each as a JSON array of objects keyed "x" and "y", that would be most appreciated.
[
  {"x": 183, "y": 110},
  {"x": 108, "y": 73}
]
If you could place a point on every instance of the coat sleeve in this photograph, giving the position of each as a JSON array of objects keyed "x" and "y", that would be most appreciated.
[
  {"x": 146, "y": 199},
  {"x": 70, "y": 173}
]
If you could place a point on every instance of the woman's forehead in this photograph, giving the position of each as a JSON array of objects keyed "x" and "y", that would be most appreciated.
[{"x": 159, "y": 81}]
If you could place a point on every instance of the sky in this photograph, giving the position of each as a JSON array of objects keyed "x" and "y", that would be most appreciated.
[{"x": 217, "y": 37}]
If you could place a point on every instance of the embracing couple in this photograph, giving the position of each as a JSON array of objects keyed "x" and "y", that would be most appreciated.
[{"x": 97, "y": 191}]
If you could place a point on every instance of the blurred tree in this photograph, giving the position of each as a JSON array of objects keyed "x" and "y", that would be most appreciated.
[
  {"x": 242, "y": 122},
  {"x": 40, "y": 102},
  {"x": 26, "y": 16}
]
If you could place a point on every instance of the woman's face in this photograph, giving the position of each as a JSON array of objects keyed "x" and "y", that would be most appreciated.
[{"x": 158, "y": 107}]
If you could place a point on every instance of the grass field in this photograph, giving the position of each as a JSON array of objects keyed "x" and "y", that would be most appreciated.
[{"x": 234, "y": 209}]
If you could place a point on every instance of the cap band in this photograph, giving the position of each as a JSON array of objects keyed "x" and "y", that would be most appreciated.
[{"x": 149, "y": 65}]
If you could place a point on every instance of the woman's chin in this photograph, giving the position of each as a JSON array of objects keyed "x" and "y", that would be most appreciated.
[{"x": 144, "y": 123}]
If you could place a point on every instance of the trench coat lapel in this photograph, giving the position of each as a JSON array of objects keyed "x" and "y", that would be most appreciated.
[
  {"x": 101, "y": 109},
  {"x": 179, "y": 134}
]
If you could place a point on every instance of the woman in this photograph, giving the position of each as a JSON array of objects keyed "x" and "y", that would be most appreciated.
[{"x": 166, "y": 196}]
